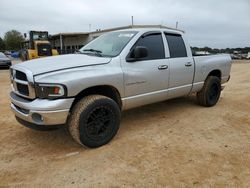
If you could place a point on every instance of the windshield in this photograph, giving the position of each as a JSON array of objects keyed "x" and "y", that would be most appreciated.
[
  {"x": 109, "y": 45},
  {"x": 40, "y": 36},
  {"x": 2, "y": 55}
]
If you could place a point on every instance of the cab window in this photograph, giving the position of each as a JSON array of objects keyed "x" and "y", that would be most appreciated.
[
  {"x": 176, "y": 45},
  {"x": 153, "y": 42}
]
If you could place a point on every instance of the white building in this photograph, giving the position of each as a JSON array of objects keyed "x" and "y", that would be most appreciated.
[
  {"x": 202, "y": 53},
  {"x": 70, "y": 42},
  {"x": 248, "y": 55}
]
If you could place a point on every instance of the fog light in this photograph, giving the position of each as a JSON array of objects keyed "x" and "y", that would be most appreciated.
[{"x": 37, "y": 118}]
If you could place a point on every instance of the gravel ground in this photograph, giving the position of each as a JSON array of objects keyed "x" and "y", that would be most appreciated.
[{"x": 169, "y": 144}]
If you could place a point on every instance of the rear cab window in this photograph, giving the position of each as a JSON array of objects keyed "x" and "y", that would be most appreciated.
[{"x": 176, "y": 45}]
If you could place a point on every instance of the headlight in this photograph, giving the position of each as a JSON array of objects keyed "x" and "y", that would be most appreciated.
[{"x": 50, "y": 91}]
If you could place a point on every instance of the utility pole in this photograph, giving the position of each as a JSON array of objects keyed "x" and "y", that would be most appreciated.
[
  {"x": 89, "y": 27},
  {"x": 176, "y": 25},
  {"x": 61, "y": 43},
  {"x": 132, "y": 21}
]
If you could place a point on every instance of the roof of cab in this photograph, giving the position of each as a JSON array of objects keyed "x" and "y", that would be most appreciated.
[
  {"x": 140, "y": 28},
  {"x": 152, "y": 30},
  {"x": 128, "y": 27}
]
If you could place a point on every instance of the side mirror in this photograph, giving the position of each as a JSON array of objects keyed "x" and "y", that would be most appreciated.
[{"x": 138, "y": 53}]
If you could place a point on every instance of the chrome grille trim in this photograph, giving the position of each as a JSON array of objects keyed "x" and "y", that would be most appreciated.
[
  {"x": 29, "y": 82},
  {"x": 20, "y": 81}
]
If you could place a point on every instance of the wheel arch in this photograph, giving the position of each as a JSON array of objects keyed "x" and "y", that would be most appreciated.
[
  {"x": 105, "y": 90},
  {"x": 216, "y": 73}
]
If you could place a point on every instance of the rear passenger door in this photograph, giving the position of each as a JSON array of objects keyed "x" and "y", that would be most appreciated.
[{"x": 181, "y": 66}]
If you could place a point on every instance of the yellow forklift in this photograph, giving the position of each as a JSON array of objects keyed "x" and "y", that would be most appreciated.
[{"x": 37, "y": 46}]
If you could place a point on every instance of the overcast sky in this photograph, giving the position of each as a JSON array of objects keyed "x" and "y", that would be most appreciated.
[{"x": 214, "y": 23}]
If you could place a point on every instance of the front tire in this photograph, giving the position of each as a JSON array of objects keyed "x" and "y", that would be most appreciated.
[
  {"x": 94, "y": 121},
  {"x": 210, "y": 93}
]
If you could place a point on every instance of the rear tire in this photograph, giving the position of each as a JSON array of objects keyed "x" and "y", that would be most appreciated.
[
  {"x": 210, "y": 93},
  {"x": 94, "y": 121}
]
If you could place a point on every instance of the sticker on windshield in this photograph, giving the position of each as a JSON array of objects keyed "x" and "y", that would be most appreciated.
[{"x": 126, "y": 35}]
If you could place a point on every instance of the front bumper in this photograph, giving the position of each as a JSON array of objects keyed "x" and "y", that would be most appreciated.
[{"x": 41, "y": 111}]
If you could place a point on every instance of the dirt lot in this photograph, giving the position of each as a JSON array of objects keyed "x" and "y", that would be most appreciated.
[{"x": 170, "y": 144}]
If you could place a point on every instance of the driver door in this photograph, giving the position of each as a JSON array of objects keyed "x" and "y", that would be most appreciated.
[{"x": 146, "y": 80}]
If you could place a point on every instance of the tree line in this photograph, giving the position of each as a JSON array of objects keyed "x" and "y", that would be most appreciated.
[
  {"x": 226, "y": 50},
  {"x": 11, "y": 41}
]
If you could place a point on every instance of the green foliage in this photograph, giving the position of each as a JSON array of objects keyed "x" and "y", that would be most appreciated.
[
  {"x": 2, "y": 44},
  {"x": 13, "y": 40},
  {"x": 227, "y": 50}
]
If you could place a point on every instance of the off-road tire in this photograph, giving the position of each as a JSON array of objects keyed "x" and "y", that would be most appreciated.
[
  {"x": 82, "y": 113},
  {"x": 210, "y": 93}
]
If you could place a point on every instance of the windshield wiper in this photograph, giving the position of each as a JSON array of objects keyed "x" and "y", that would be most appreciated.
[
  {"x": 98, "y": 52},
  {"x": 93, "y": 50}
]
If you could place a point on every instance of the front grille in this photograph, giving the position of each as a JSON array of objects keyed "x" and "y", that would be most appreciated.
[
  {"x": 22, "y": 89},
  {"x": 44, "y": 50},
  {"x": 21, "y": 76},
  {"x": 22, "y": 83}
]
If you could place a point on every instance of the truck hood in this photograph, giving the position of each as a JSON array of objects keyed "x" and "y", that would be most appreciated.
[{"x": 55, "y": 63}]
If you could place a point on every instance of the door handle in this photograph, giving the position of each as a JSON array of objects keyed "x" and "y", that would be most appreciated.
[
  {"x": 162, "y": 67},
  {"x": 189, "y": 64}
]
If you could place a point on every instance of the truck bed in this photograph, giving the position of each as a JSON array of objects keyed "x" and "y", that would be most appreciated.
[{"x": 207, "y": 63}]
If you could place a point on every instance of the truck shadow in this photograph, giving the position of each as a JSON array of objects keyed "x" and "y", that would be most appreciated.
[{"x": 131, "y": 119}]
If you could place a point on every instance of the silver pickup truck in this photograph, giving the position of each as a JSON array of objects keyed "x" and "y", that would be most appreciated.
[{"x": 117, "y": 71}]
